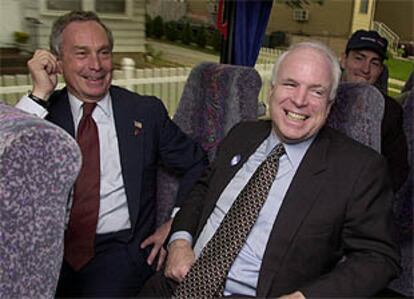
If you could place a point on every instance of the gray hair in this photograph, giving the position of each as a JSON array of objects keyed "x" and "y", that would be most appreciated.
[
  {"x": 320, "y": 47},
  {"x": 60, "y": 24}
]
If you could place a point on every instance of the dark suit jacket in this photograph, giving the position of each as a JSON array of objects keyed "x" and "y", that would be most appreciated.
[
  {"x": 159, "y": 140},
  {"x": 332, "y": 236},
  {"x": 394, "y": 143}
]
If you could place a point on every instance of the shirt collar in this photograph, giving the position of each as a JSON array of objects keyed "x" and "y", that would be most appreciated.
[
  {"x": 294, "y": 151},
  {"x": 76, "y": 105}
]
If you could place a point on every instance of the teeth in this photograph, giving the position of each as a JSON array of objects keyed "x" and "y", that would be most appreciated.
[{"x": 296, "y": 116}]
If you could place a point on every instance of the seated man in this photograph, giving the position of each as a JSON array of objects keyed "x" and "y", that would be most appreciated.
[
  {"x": 111, "y": 241},
  {"x": 363, "y": 61},
  {"x": 289, "y": 206}
]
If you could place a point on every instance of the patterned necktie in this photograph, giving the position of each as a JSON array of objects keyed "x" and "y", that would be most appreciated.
[
  {"x": 80, "y": 235},
  {"x": 207, "y": 276}
]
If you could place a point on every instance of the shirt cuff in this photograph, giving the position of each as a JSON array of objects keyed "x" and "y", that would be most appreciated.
[
  {"x": 174, "y": 212},
  {"x": 28, "y": 105},
  {"x": 183, "y": 235}
]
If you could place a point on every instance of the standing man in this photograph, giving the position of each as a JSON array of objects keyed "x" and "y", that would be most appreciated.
[
  {"x": 110, "y": 241},
  {"x": 289, "y": 207},
  {"x": 363, "y": 61}
]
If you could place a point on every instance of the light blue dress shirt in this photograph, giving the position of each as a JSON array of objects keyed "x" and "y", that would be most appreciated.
[{"x": 244, "y": 273}]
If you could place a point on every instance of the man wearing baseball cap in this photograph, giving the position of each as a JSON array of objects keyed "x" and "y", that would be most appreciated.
[{"x": 363, "y": 61}]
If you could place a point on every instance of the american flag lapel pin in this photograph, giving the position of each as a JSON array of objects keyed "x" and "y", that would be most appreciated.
[{"x": 138, "y": 127}]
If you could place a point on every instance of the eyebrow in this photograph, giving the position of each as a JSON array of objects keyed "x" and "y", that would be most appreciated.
[
  {"x": 312, "y": 86},
  {"x": 365, "y": 56}
]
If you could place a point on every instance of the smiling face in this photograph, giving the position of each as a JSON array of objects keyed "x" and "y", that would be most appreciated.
[
  {"x": 299, "y": 100},
  {"x": 361, "y": 66},
  {"x": 86, "y": 60}
]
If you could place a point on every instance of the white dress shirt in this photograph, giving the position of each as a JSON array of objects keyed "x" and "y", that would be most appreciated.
[{"x": 113, "y": 209}]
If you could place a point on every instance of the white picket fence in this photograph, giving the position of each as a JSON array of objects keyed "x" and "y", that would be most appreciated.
[{"x": 164, "y": 83}]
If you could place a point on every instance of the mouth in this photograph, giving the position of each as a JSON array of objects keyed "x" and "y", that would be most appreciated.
[
  {"x": 94, "y": 78},
  {"x": 296, "y": 116}
]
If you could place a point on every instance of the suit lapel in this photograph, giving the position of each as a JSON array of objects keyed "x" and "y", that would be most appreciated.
[
  {"x": 242, "y": 147},
  {"x": 299, "y": 199},
  {"x": 60, "y": 112},
  {"x": 131, "y": 146}
]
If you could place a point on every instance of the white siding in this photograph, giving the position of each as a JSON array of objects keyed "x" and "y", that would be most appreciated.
[{"x": 129, "y": 33}]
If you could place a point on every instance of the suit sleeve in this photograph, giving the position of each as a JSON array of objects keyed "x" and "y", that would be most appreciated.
[
  {"x": 180, "y": 154},
  {"x": 371, "y": 255},
  {"x": 394, "y": 144}
]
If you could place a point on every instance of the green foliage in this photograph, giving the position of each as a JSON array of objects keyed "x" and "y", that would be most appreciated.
[
  {"x": 158, "y": 27},
  {"x": 201, "y": 37},
  {"x": 148, "y": 26},
  {"x": 214, "y": 40},
  {"x": 171, "y": 31},
  {"x": 20, "y": 37},
  {"x": 187, "y": 34}
]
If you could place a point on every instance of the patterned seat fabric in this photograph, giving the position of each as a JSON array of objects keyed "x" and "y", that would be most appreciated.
[
  {"x": 38, "y": 165},
  {"x": 403, "y": 207},
  {"x": 358, "y": 111},
  {"x": 215, "y": 98}
]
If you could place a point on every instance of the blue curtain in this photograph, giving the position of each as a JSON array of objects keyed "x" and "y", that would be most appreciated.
[{"x": 251, "y": 21}]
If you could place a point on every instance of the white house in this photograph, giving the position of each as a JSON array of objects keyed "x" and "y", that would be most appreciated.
[{"x": 126, "y": 19}]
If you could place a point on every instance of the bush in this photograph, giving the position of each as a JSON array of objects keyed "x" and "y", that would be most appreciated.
[
  {"x": 187, "y": 34},
  {"x": 158, "y": 27},
  {"x": 148, "y": 26},
  {"x": 171, "y": 31},
  {"x": 201, "y": 37},
  {"x": 214, "y": 40},
  {"x": 21, "y": 37}
]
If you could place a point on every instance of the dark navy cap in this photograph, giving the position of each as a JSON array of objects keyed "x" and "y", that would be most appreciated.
[{"x": 368, "y": 40}]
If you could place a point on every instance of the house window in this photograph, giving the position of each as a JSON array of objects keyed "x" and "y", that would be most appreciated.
[
  {"x": 363, "y": 6},
  {"x": 110, "y": 6},
  {"x": 63, "y": 4},
  {"x": 105, "y": 8}
]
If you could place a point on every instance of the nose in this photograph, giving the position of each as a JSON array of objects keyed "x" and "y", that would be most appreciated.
[
  {"x": 95, "y": 62},
  {"x": 366, "y": 67},
  {"x": 300, "y": 97}
]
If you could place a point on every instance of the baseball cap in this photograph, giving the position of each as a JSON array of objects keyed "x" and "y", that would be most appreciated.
[{"x": 368, "y": 40}]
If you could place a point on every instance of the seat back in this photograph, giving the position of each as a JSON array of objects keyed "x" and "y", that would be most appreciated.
[
  {"x": 358, "y": 112},
  {"x": 215, "y": 98},
  {"x": 403, "y": 207},
  {"x": 38, "y": 165}
]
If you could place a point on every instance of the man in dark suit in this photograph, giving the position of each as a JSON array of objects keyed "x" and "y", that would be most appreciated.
[
  {"x": 133, "y": 135},
  {"x": 363, "y": 61},
  {"x": 325, "y": 228}
]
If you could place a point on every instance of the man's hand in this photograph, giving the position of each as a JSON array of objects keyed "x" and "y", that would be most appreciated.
[
  {"x": 157, "y": 239},
  {"x": 180, "y": 259},
  {"x": 295, "y": 295},
  {"x": 43, "y": 68}
]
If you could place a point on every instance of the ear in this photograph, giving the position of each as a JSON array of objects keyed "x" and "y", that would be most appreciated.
[{"x": 59, "y": 66}]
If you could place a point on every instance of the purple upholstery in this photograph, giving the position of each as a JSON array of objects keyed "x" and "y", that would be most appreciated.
[
  {"x": 38, "y": 165},
  {"x": 215, "y": 98},
  {"x": 403, "y": 207},
  {"x": 358, "y": 111}
]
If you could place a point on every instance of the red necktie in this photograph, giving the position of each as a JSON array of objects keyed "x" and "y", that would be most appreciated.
[{"x": 80, "y": 235}]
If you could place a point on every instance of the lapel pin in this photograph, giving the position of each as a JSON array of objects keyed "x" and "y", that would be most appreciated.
[
  {"x": 138, "y": 127},
  {"x": 235, "y": 160}
]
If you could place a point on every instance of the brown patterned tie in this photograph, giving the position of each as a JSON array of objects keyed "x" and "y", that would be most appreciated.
[
  {"x": 80, "y": 235},
  {"x": 206, "y": 278}
]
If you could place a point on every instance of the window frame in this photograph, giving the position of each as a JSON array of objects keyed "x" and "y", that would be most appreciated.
[
  {"x": 89, "y": 5},
  {"x": 364, "y": 7}
]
